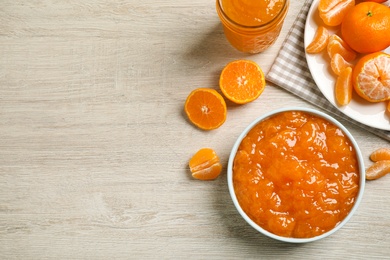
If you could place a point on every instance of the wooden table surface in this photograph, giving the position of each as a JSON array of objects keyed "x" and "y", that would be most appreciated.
[{"x": 95, "y": 146}]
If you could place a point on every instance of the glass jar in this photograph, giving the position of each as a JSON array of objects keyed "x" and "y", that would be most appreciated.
[{"x": 244, "y": 26}]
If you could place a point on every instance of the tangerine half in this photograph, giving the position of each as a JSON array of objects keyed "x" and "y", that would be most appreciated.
[
  {"x": 242, "y": 81},
  {"x": 371, "y": 77},
  {"x": 206, "y": 108}
]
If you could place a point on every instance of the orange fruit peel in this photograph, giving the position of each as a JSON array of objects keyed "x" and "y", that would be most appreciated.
[
  {"x": 206, "y": 108},
  {"x": 319, "y": 42},
  {"x": 242, "y": 81},
  {"x": 371, "y": 77},
  {"x": 205, "y": 164}
]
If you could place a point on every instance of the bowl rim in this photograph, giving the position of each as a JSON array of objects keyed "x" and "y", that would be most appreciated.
[{"x": 319, "y": 114}]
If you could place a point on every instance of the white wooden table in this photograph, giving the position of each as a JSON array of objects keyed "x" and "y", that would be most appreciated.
[{"x": 94, "y": 144}]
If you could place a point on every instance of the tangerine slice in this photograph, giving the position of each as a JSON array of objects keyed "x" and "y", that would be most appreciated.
[
  {"x": 242, "y": 81},
  {"x": 380, "y": 154},
  {"x": 205, "y": 165},
  {"x": 319, "y": 41},
  {"x": 338, "y": 45},
  {"x": 332, "y": 12},
  {"x": 343, "y": 89},
  {"x": 378, "y": 170},
  {"x": 338, "y": 64},
  {"x": 371, "y": 77},
  {"x": 206, "y": 108}
]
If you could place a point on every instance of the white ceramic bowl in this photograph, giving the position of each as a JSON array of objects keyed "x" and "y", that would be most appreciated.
[{"x": 289, "y": 239}]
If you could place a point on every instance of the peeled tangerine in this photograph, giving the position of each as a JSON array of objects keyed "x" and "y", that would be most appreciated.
[
  {"x": 205, "y": 165},
  {"x": 371, "y": 77}
]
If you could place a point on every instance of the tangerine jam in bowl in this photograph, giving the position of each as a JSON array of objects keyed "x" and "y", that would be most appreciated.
[
  {"x": 296, "y": 175},
  {"x": 252, "y": 26}
]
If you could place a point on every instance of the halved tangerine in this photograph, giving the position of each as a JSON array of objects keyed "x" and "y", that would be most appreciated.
[
  {"x": 206, "y": 108},
  {"x": 242, "y": 81},
  {"x": 371, "y": 77}
]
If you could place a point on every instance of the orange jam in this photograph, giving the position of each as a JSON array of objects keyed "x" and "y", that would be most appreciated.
[
  {"x": 296, "y": 175},
  {"x": 252, "y": 25}
]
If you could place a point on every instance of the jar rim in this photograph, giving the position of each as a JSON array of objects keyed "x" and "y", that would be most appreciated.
[{"x": 270, "y": 22}]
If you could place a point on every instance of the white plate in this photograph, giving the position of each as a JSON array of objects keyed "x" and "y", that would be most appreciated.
[{"x": 371, "y": 114}]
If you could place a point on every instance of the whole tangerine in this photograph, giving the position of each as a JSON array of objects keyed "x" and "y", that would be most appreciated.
[{"x": 366, "y": 27}]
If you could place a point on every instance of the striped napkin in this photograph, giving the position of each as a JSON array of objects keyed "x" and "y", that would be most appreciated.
[{"x": 290, "y": 71}]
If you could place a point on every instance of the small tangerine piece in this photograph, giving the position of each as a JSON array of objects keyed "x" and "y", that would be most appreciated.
[
  {"x": 337, "y": 45},
  {"x": 371, "y": 77},
  {"x": 380, "y": 154},
  {"x": 242, "y": 81},
  {"x": 332, "y": 12},
  {"x": 338, "y": 64},
  {"x": 206, "y": 108},
  {"x": 378, "y": 170},
  {"x": 343, "y": 88},
  {"x": 205, "y": 165},
  {"x": 319, "y": 42}
]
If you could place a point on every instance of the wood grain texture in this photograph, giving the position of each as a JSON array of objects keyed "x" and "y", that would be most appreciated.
[{"x": 94, "y": 144}]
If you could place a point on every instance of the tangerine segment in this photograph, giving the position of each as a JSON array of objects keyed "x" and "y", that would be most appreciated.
[
  {"x": 326, "y": 5},
  {"x": 343, "y": 89},
  {"x": 205, "y": 165},
  {"x": 332, "y": 12},
  {"x": 378, "y": 170},
  {"x": 380, "y": 154},
  {"x": 319, "y": 41},
  {"x": 366, "y": 27},
  {"x": 338, "y": 45},
  {"x": 206, "y": 108},
  {"x": 371, "y": 77},
  {"x": 338, "y": 64},
  {"x": 242, "y": 81}
]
